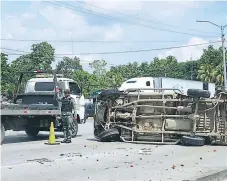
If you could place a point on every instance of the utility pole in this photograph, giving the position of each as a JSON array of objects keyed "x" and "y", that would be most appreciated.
[
  {"x": 72, "y": 46},
  {"x": 223, "y": 48},
  {"x": 191, "y": 68}
]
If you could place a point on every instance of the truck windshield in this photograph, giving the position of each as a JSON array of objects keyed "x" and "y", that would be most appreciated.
[
  {"x": 131, "y": 81},
  {"x": 44, "y": 86}
]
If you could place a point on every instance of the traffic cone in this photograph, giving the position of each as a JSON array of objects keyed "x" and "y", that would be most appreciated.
[{"x": 52, "y": 139}]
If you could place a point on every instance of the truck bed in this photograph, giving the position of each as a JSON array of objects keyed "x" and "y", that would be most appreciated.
[
  {"x": 29, "y": 110},
  {"x": 37, "y": 98}
]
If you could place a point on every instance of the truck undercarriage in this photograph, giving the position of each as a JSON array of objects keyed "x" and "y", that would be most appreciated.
[{"x": 156, "y": 116}]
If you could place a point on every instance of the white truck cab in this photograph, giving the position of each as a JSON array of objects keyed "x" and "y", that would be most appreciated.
[
  {"x": 166, "y": 83},
  {"x": 46, "y": 84}
]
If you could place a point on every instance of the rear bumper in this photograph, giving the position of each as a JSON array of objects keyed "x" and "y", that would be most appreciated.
[{"x": 27, "y": 112}]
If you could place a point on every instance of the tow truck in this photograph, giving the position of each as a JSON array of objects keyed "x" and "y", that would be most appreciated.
[{"x": 34, "y": 111}]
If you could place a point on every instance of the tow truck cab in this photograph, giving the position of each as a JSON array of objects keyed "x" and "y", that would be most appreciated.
[{"x": 45, "y": 84}]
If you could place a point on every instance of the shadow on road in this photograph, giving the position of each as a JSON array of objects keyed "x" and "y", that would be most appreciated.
[
  {"x": 93, "y": 139},
  {"x": 19, "y": 138}
]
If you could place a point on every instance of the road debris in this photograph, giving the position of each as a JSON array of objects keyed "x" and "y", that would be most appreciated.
[
  {"x": 71, "y": 154},
  {"x": 145, "y": 151},
  {"x": 41, "y": 160}
]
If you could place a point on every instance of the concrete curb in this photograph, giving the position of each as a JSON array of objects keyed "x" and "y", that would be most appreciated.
[{"x": 217, "y": 176}]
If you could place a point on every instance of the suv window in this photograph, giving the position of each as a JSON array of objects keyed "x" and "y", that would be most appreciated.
[
  {"x": 148, "y": 83},
  {"x": 44, "y": 86},
  {"x": 74, "y": 88}
]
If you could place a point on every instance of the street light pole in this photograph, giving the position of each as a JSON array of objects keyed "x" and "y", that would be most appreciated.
[{"x": 223, "y": 48}]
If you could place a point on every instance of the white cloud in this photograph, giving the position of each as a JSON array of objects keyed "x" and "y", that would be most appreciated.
[
  {"x": 186, "y": 53},
  {"x": 72, "y": 24},
  {"x": 113, "y": 34},
  {"x": 106, "y": 6},
  {"x": 44, "y": 34},
  {"x": 28, "y": 16},
  {"x": 9, "y": 30},
  {"x": 157, "y": 10}
]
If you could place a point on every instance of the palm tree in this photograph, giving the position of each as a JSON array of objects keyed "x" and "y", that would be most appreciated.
[
  {"x": 205, "y": 73},
  {"x": 218, "y": 75}
]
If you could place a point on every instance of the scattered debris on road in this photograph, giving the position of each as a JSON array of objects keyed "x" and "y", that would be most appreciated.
[
  {"x": 71, "y": 154},
  {"x": 41, "y": 160}
]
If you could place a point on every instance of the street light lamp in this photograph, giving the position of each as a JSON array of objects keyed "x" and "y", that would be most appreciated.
[{"x": 223, "y": 47}]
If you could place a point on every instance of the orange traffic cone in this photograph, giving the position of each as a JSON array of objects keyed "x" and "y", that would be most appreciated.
[{"x": 52, "y": 139}]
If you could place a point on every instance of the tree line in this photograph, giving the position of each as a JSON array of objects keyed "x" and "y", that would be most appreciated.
[{"x": 208, "y": 68}]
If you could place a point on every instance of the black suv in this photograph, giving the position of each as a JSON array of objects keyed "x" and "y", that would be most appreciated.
[{"x": 89, "y": 109}]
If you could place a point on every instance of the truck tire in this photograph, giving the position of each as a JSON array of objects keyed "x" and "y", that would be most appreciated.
[
  {"x": 2, "y": 133},
  {"x": 109, "y": 135},
  {"x": 109, "y": 94},
  {"x": 32, "y": 131},
  {"x": 75, "y": 129},
  {"x": 97, "y": 131},
  {"x": 198, "y": 93},
  {"x": 192, "y": 141}
]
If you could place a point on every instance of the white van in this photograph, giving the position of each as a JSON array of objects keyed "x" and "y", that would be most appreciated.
[
  {"x": 41, "y": 84},
  {"x": 168, "y": 83}
]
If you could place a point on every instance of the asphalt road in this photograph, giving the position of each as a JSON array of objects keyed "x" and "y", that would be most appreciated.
[{"x": 23, "y": 159}]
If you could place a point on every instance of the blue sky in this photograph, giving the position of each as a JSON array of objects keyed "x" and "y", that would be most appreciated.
[{"x": 44, "y": 21}]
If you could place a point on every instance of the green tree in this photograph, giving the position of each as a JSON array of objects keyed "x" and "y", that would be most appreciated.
[
  {"x": 42, "y": 55},
  {"x": 99, "y": 67},
  {"x": 87, "y": 81},
  {"x": 218, "y": 75},
  {"x": 206, "y": 72},
  {"x": 68, "y": 66},
  {"x": 6, "y": 79},
  {"x": 211, "y": 56}
]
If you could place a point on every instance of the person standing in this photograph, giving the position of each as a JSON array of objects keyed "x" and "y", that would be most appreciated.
[{"x": 68, "y": 105}]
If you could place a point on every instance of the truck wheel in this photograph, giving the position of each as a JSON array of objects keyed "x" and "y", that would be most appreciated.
[
  {"x": 2, "y": 133},
  {"x": 192, "y": 141},
  {"x": 109, "y": 94},
  {"x": 75, "y": 129},
  {"x": 109, "y": 135},
  {"x": 32, "y": 131},
  {"x": 97, "y": 130},
  {"x": 198, "y": 93}
]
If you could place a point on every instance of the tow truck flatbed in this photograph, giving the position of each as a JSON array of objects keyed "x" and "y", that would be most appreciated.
[{"x": 29, "y": 110}]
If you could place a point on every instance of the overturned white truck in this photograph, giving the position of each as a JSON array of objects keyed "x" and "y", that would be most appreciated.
[{"x": 187, "y": 112}]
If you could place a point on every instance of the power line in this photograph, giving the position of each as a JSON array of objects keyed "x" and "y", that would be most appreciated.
[
  {"x": 119, "y": 19},
  {"x": 151, "y": 21},
  {"x": 92, "y": 41},
  {"x": 131, "y": 51},
  {"x": 15, "y": 50}
]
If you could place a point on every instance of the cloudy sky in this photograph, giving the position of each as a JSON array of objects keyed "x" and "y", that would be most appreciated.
[{"x": 119, "y": 25}]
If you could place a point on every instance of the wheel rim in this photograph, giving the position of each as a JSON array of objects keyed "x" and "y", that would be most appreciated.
[
  {"x": 75, "y": 129},
  {"x": 2, "y": 133}
]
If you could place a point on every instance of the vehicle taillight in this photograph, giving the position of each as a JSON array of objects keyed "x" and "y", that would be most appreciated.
[
  {"x": 56, "y": 89},
  {"x": 25, "y": 111}
]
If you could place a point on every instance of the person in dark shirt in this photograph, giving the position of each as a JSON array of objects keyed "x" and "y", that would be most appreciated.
[{"x": 68, "y": 104}]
